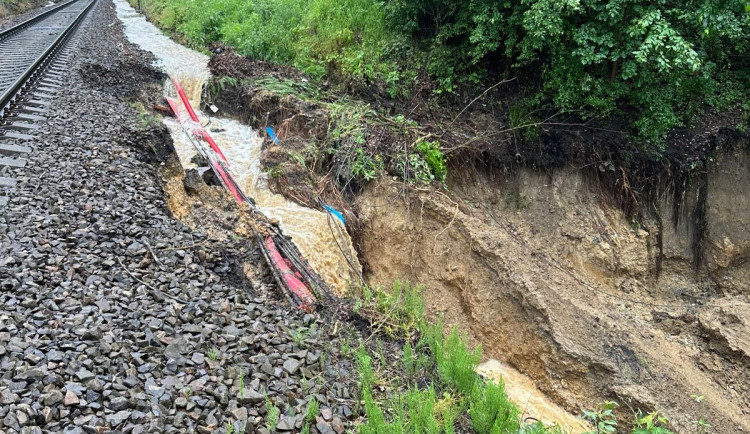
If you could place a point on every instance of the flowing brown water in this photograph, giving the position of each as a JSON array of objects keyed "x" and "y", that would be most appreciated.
[{"x": 309, "y": 228}]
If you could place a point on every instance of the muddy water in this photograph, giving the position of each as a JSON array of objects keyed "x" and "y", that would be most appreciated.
[{"x": 311, "y": 230}]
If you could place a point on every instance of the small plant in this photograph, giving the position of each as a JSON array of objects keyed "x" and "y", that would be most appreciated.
[
  {"x": 434, "y": 159},
  {"x": 345, "y": 349},
  {"x": 241, "y": 385},
  {"x": 455, "y": 362},
  {"x": 409, "y": 361},
  {"x": 145, "y": 118},
  {"x": 603, "y": 418},
  {"x": 272, "y": 415},
  {"x": 188, "y": 392},
  {"x": 230, "y": 427},
  {"x": 213, "y": 354},
  {"x": 701, "y": 424},
  {"x": 651, "y": 423},
  {"x": 400, "y": 311},
  {"x": 312, "y": 410},
  {"x": 490, "y": 409},
  {"x": 300, "y": 334}
]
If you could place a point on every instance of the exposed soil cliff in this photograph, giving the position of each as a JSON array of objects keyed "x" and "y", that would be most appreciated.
[{"x": 556, "y": 282}]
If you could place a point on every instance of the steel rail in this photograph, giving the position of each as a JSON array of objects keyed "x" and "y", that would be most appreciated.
[
  {"x": 19, "y": 86},
  {"x": 21, "y": 26}
]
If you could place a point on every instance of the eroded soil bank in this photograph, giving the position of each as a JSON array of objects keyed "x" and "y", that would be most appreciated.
[
  {"x": 546, "y": 271},
  {"x": 557, "y": 283}
]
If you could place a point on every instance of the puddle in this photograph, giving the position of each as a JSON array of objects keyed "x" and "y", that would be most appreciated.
[{"x": 308, "y": 228}]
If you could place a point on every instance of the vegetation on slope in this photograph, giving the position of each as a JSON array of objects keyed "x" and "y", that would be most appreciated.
[
  {"x": 437, "y": 389},
  {"x": 655, "y": 65}
]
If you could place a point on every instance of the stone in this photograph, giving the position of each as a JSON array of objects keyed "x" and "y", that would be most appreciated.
[
  {"x": 291, "y": 366},
  {"x": 53, "y": 397},
  {"x": 71, "y": 399},
  {"x": 240, "y": 414},
  {"x": 118, "y": 403},
  {"x": 118, "y": 418}
]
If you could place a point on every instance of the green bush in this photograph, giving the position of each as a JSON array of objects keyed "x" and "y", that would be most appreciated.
[
  {"x": 491, "y": 411},
  {"x": 658, "y": 60},
  {"x": 455, "y": 362}
]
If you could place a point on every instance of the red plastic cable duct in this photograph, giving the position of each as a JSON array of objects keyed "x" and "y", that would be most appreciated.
[
  {"x": 291, "y": 279},
  {"x": 194, "y": 117},
  {"x": 218, "y": 166}
]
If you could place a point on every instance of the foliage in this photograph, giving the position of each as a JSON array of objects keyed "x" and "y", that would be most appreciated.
[
  {"x": 435, "y": 407},
  {"x": 348, "y": 38},
  {"x": 603, "y": 418},
  {"x": 272, "y": 415},
  {"x": 455, "y": 362},
  {"x": 401, "y": 308},
  {"x": 491, "y": 411},
  {"x": 434, "y": 159},
  {"x": 312, "y": 410},
  {"x": 656, "y": 59},
  {"x": 651, "y": 423}
]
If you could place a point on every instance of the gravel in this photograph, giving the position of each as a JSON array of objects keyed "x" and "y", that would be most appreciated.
[{"x": 114, "y": 316}]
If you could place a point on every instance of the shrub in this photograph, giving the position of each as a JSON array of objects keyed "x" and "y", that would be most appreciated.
[{"x": 455, "y": 362}]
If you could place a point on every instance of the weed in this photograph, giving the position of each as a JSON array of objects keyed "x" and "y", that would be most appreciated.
[
  {"x": 345, "y": 348},
  {"x": 701, "y": 424},
  {"x": 651, "y": 423},
  {"x": 300, "y": 334},
  {"x": 455, "y": 362},
  {"x": 434, "y": 159},
  {"x": 213, "y": 354},
  {"x": 602, "y": 418},
  {"x": 241, "y": 385},
  {"x": 230, "y": 427},
  {"x": 272, "y": 415},
  {"x": 491, "y": 411},
  {"x": 409, "y": 361},
  {"x": 188, "y": 392},
  {"x": 312, "y": 410},
  {"x": 399, "y": 312},
  {"x": 145, "y": 118}
]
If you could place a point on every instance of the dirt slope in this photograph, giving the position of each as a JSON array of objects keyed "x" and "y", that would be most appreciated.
[{"x": 552, "y": 280}]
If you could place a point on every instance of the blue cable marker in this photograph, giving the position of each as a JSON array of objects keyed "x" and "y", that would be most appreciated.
[
  {"x": 272, "y": 135},
  {"x": 335, "y": 213}
]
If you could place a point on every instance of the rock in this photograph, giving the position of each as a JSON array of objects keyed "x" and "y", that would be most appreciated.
[
  {"x": 175, "y": 350},
  {"x": 53, "y": 397},
  {"x": 291, "y": 366},
  {"x": 286, "y": 423},
  {"x": 250, "y": 396},
  {"x": 85, "y": 375},
  {"x": 118, "y": 418},
  {"x": 240, "y": 414},
  {"x": 119, "y": 403},
  {"x": 323, "y": 426},
  {"x": 71, "y": 399},
  {"x": 337, "y": 425},
  {"x": 326, "y": 413}
]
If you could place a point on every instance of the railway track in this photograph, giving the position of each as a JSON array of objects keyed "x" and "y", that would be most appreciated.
[{"x": 34, "y": 57}]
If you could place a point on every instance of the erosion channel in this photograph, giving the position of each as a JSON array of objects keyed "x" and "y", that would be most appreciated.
[{"x": 573, "y": 302}]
